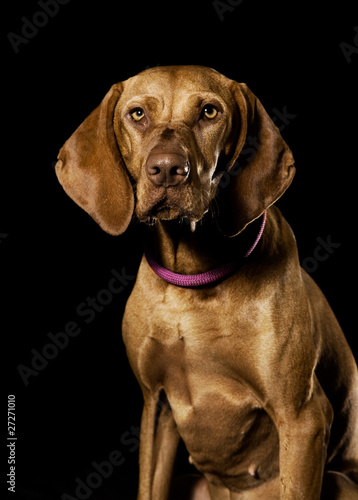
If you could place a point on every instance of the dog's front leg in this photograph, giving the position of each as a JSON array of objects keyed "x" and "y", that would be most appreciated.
[
  {"x": 159, "y": 441},
  {"x": 304, "y": 436}
]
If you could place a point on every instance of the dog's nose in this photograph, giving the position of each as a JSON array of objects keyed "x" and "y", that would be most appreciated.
[{"x": 167, "y": 169}]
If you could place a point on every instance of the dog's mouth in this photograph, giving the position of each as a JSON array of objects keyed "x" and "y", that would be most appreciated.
[
  {"x": 167, "y": 209},
  {"x": 164, "y": 210}
]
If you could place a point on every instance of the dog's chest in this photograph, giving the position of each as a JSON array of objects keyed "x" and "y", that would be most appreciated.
[
  {"x": 187, "y": 345},
  {"x": 201, "y": 353}
]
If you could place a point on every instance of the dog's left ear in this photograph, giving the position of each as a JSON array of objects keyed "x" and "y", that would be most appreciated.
[
  {"x": 261, "y": 168},
  {"x": 92, "y": 172}
]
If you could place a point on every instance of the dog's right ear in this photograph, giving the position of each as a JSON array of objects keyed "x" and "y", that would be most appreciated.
[{"x": 92, "y": 172}]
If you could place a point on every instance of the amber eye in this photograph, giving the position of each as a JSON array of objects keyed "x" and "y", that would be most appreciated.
[
  {"x": 210, "y": 112},
  {"x": 137, "y": 114}
]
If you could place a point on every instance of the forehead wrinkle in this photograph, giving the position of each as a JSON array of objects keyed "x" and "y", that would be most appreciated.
[
  {"x": 172, "y": 78},
  {"x": 190, "y": 103},
  {"x": 145, "y": 100},
  {"x": 201, "y": 96}
]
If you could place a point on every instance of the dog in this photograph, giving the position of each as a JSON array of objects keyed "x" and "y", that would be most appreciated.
[{"x": 235, "y": 348}]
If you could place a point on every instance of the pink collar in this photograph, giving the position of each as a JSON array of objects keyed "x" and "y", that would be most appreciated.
[{"x": 193, "y": 280}]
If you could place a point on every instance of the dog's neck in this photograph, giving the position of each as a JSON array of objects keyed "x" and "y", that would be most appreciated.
[
  {"x": 185, "y": 251},
  {"x": 182, "y": 249}
]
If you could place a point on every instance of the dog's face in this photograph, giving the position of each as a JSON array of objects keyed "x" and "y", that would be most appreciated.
[
  {"x": 175, "y": 130},
  {"x": 172, "y": 125}
]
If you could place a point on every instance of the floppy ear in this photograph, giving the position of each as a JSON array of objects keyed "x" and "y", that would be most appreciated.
[
  {"x": 92, "y": 172},
  {"x": 261, "y": 169}
]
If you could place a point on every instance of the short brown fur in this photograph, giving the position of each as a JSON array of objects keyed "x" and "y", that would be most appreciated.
[{"x": 253, "y": 373}]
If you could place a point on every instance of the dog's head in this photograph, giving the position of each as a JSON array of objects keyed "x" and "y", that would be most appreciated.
[{"x": 175, "y": 130}]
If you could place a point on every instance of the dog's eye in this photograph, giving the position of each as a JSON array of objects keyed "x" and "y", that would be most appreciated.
[
  {"x": 210, "y": 112},
  {"x": 137, "y": 114}
]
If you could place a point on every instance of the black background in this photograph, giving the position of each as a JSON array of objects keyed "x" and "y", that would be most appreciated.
[{"x": 85, "y": 403}]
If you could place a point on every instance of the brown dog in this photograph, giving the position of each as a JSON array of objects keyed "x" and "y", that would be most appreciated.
[{"x": 249, "y": 368}]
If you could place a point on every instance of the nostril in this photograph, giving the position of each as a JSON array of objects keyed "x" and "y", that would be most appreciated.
[
  {"x": 184, "y": 170},
  {"x": 154, "y": 170},
  {"x": 174, "y": 171}
]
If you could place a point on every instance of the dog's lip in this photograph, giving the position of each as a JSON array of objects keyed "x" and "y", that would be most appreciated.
[
  {"x": 163, "y": 207},
  {"x": 158, "y": 207}
]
